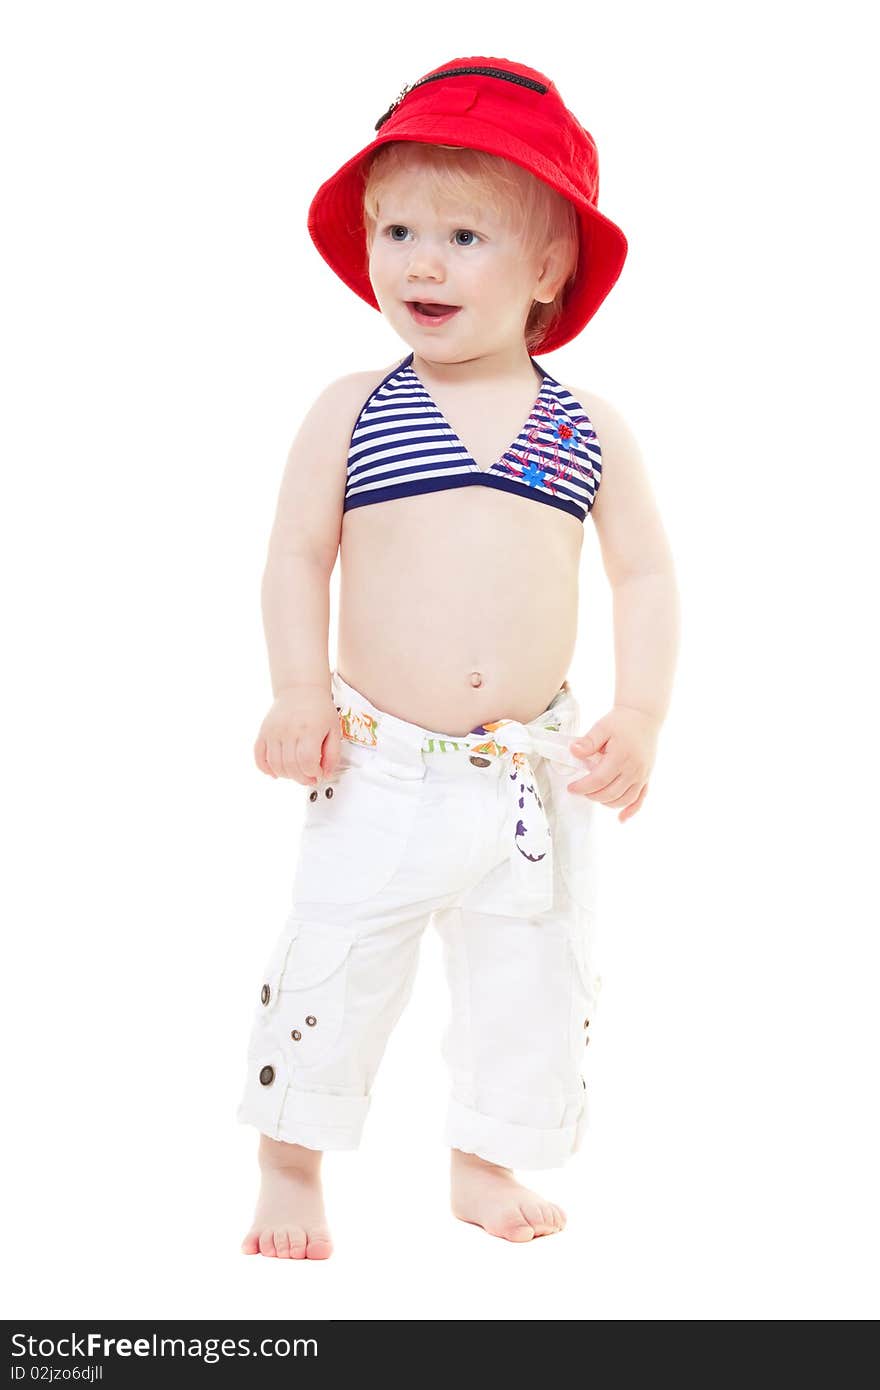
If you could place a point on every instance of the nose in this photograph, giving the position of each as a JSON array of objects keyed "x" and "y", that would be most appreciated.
[{"x": 425, "y": 264}]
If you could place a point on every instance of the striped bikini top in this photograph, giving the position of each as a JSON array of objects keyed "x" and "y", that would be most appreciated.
[{"x": 401, "y": 446}]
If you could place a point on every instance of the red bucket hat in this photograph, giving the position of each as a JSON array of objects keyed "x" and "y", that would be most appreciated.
[{"x": 506, "y": 109}]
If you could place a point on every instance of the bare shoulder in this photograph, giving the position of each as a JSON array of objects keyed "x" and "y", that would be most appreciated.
[
  {"x": 312, "y": 492},
  {"x": 324, "y": 433},
  {"x": 341, "y": 401},
  {"x": 624, "y": 512},
  {"x": 621, "y": 460},
  {"x": 616, "y": 439}
]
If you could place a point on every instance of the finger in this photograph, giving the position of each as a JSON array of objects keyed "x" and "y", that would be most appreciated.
[
  {"x": 593, "y": 755},
  {"x": 330, "y": 754},
  {"x": 597, "y": 780},
  {"x": 273, "y": 757},
  {"x": 612, "y": 777},
  {"x": 607, "y": 796},
  {"x": 627, "y": 796},
  {"x": 291, "y": 761},
  {"x": 631, "y": 810},
  {"x": 597, "y": 743},
  {"x": 308, "y": 760},
  {"x": 260, "y": 757}
]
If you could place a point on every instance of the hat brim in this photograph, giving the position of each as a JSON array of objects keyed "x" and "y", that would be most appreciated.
[{"x": 336, "y": 225}]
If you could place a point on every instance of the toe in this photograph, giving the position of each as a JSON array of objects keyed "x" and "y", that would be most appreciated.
[
  {"x": 545, "y": 1218},
  {"x": 267, "y": 1242},
  {"x": 320, "y": 1246},
  {"x": 560, "y": 1216},
  {"x": 298, "y": 1241},
  {"x": 282, "y": 1244},
  {"x": 251, "y": 1244},
  {"x": 548, "y": 1217},
  {"x": 533, "y": 1212},
  {"x": 516, "y": 1226}
]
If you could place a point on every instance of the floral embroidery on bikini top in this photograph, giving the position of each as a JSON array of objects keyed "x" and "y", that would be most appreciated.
[{"x": 401, "y": 446}]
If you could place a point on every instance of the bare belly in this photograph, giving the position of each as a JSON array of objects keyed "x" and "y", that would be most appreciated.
[{"x": 459, "y": 607}]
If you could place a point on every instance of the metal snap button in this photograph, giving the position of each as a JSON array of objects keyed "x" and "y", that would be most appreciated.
[
  {"x": 586, "y": 1023},
  {"x": 480, "y": 762},
  {"x": 267, "y": 1076},
  {"x": 328, "y": 791},
  {"x": 313, "y": 796},
  {"x": 265, "y": 994},
  {"x": 295, "y": 1034},
  {"x": 311, "y": 1020}
]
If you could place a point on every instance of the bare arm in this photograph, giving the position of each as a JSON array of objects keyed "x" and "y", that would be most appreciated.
[
  {"x": 638, "y": 562},
  {"x": 299, "y": 737},
  {"x": 621, "y": 746},
  {"x": 296, "y": 618},
  {"x": 304, "y": 542}
]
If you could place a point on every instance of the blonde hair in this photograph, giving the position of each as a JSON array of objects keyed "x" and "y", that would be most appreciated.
[{"x": 537, "y": 213}]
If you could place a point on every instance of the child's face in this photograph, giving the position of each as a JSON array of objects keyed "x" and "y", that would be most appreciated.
[{"x": 454, "y": 255}]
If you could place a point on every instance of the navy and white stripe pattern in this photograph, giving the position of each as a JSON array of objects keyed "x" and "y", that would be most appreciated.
[{"x": 401, "y": 446}]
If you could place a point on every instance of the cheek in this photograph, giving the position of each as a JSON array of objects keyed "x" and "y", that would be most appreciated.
[
  {"x": 496, "y": 273},
  {"x": 385, "y": 271},
  {"x": 377, "y": 270},
  {"x": 500, "y": 286}
]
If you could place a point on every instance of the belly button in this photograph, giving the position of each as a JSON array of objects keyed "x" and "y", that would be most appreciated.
[{"x": 476, "y": 678}]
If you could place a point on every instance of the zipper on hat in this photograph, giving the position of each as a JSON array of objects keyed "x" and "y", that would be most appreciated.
[{"x": 529, "y": 82}]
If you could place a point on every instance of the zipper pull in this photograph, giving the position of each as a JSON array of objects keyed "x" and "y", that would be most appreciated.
[{"x": 403, "y": 91}]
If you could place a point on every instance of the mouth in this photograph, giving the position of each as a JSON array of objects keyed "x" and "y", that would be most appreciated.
[{"x": 428, "y": 312}]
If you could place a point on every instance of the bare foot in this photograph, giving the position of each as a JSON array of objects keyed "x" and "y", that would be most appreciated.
[
  {"x": 289, "y": 1222},
  {"x": 491, "y": 1197}
]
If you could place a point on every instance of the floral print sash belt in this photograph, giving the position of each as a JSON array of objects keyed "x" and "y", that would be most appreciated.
[{"x": 549, "y": 736}]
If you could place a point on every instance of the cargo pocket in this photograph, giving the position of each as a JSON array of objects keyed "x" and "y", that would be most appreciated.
[
  {"x": 266, "y": 1085},
  {"x": 303, "y": 993},
  {"x": 356, "y": 830}
]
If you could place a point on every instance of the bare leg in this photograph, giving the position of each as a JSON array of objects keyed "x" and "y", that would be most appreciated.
[
  {"x": 289, "y": 1221},
  {"x": 490, "y": 1196}
]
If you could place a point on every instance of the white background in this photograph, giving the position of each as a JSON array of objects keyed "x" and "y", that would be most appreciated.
[{"x": 166, "y": 323}]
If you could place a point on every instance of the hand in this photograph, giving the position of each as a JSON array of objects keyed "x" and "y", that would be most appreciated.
[
  {"x": 621, "y": 748},
  {"x": 299, "y": 737}
]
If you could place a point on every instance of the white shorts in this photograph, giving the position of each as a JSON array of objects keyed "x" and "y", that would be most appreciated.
[{"x": 478, "y": 835}]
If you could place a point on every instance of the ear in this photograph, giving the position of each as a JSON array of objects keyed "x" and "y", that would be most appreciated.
[{"x": 551, "y": 274}]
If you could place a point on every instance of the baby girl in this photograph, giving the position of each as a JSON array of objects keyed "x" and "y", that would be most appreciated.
[{"x": 447, "y": 776}]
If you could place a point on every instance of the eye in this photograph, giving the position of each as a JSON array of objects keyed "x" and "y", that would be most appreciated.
[
  {"x": 396, "y": 227},
  {"x": 463, "y": 231}
]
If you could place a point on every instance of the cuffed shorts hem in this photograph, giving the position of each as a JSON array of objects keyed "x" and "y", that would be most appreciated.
[
  {"x": 512, "y": 1146},
  {"x": 312, "y": 1119}
]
